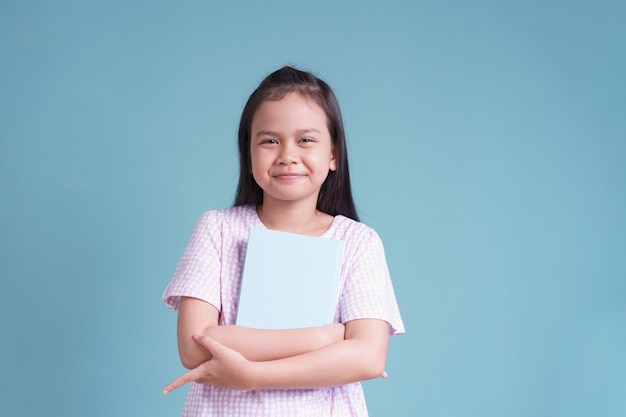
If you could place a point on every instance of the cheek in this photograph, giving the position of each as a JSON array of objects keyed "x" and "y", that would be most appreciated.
[
  {"x": 330, "y": 159},
  {"x": 254, "y": 168},
  {"x": 259, "y": 164},
  {"x": 254, "y": 160}
]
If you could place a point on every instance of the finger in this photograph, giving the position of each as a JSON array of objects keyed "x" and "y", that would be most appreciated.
[
  {"x": 185, "y": 378},
  {"x": 384, "y": 374},
  {"x": 212, "y": 345}
]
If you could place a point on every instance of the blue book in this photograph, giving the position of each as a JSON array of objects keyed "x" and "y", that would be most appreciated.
[{"x": 289, "y": 281}]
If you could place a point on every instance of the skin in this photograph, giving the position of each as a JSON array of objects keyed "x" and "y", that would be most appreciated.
[{"x": 291, "y": 155}]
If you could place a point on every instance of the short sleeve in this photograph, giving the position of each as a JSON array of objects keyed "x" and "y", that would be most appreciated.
[
  {"x": 368, "y": 291},
  {"x": 198, "y": 272}
]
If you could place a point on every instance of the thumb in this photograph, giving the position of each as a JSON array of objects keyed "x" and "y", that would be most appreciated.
[{"x": 212, "y": 345}]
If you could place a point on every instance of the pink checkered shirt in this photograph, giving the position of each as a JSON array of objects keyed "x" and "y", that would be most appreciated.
[{"x": 210, "y": 269}]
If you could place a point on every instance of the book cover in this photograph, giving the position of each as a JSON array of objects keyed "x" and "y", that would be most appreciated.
[{"x": 289, "y": 281}]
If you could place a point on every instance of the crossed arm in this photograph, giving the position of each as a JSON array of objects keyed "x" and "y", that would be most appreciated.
[{"x": 243, "y": 358}]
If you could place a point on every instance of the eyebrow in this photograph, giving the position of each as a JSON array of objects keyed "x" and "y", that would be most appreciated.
[{"x": 299, "y": 132}]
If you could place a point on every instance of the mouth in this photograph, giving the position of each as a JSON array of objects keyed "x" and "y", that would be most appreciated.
[{"x": 288, "y": 176}]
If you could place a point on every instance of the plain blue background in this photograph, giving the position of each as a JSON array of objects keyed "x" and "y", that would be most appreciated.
[{"x": 487, "y": 143}]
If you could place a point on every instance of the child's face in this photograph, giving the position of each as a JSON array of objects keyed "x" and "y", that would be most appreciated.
[{"x": 290, "y": 149}]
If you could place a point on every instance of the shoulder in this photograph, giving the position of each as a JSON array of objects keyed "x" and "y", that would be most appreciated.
[
  {"x": 346, "y": 227},
  {"x": 354, "y": 234},
  {"x": 228, "y": 223},
  {"x": 229, "y": 215}
]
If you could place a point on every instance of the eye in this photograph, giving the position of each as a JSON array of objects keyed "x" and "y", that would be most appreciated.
[
  {"x": 306, "y": 140},
  {"x": 269, "y": 141}
]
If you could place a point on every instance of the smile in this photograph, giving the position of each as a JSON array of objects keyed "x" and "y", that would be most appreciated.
[{"x": 288, "y": 177}]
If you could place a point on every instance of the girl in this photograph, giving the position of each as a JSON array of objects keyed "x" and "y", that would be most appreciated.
[{"x": 293, "y": 177}]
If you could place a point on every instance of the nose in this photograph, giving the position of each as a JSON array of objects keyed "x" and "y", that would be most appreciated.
[{"x": 288, "y": 154}]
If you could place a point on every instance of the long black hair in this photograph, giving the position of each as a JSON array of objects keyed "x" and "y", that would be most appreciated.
[{"x": 335, "y": 195}]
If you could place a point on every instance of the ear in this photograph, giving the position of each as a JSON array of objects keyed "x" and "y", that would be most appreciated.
[{"x": 333, "y": 159}]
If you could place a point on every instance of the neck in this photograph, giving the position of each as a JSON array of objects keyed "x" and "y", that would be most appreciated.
[{"x": 299, "y": 217}]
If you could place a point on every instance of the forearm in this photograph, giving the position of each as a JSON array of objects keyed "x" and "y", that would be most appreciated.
[
  {"x": 341, "y": 363},
  {"x": 199, "y": 317},
  {"x": 359, "y": 357},
  {"x": 265, "y": 345}
]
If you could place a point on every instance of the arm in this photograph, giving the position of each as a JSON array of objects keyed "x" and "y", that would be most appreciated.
[
  {"x": 360, "y": 356},
  {"x": 194, "y": 316},
  {"x": 198, "y": 317}
]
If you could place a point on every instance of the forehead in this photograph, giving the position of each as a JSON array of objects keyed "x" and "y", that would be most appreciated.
[{"x": 293, "y": 111}]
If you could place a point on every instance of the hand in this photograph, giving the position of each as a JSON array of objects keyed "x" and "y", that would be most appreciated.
[{"x": 227, "y": 369}]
